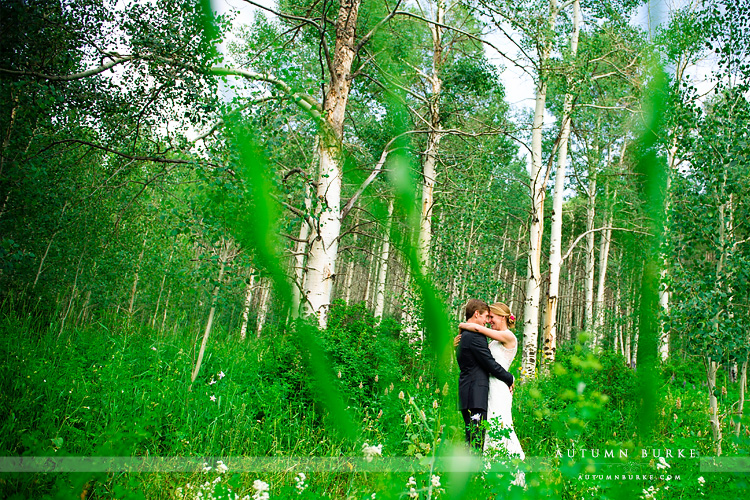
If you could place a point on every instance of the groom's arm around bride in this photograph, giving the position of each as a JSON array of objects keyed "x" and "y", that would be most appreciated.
[{"x": 477, "y": 364}]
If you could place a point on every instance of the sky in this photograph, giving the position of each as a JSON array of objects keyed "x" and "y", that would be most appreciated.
[{"x": 519, "y": 87}]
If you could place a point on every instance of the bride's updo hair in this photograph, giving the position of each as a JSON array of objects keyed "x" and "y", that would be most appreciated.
[{"x": 503, "y": 310}]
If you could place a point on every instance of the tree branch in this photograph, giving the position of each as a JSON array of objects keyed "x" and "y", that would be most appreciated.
[
  {"x": 373, "y": 174},
  {"x": 286, "y": 16},
  {"x": 473, "y": 37},
  {"x": 369, "y": 35},
  {"x": 580, "y": 237},
  {"x": 66, "y": 78},
  {"x": 154, "y": 159}
]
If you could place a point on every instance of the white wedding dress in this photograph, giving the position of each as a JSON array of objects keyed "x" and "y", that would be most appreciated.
[{"x": 499, "y": 405}]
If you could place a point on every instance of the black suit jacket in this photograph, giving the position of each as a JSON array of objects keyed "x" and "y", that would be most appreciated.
[{"x": 477, "y": 364}]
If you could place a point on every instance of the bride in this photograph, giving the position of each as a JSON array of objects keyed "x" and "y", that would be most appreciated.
[{"x": 503, "y": 348}]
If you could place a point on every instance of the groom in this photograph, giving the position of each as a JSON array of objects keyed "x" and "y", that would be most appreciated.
[{"x": 476, "y": 364}]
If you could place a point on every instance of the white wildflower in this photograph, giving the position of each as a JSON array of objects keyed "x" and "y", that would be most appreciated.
[
  {"x": 212, "y": 382},
  {"x": 261, "y": 490},
  {"x": 401, "y": 395},
  {"x": 413, "y": 493},
  {"x": 435, "y": 481},
  {"x": 372, "y": 451},
  {"x": 213, "y": 398},
  {"x": 206, "y": 468},
  {"x": 300, "y": 480},
  {"x": 221, "y": 467},
  {"x": 701, "y": 480},
  {"x": 662, "y": 464},
  {"x": 411, "y": 481},
  {"x": 221, "y": 375}
]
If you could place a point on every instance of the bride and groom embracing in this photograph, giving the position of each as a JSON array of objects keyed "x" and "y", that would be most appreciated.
[{"x": 485, "y": 388}]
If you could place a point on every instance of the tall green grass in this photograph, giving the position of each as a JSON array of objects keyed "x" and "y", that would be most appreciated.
[{"x": 117, "y": 389}]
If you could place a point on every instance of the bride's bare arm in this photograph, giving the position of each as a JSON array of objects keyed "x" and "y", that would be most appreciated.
[{"x": 504, "y": 336}]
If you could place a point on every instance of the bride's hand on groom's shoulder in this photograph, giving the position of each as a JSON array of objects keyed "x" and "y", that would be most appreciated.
[{"x": 456, "y": 340}]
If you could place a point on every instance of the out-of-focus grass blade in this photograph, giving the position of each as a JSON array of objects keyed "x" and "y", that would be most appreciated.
[
  {"x": 652, "y": 170},
  {"x": 257, "y": 230}
]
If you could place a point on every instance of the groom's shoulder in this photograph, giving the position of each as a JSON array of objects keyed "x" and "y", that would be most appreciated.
[{"x": 470, "y": 336}]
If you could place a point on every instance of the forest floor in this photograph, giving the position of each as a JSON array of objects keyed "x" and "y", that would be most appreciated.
[{"x": 373, "y": 422}]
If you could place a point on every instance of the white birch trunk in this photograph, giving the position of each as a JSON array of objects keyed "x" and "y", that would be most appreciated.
[
  {"x": 501, "y": 259},
  {"x": 321, "y": 264},
  {"x": 49, "y": 244},
  {"x": 741, "y": 399},
  {"x": 263, "y": 307},
  {"x": 209, "y": 323},
  {"x": 533, "y": 277},
  {"x": 349, "y": 279},
  {"x": 588, "y": 322},
  {"x": 135, "y": 280},
  {"x": 555, "y": 257},
  {"x": 664, "y": 275},
  {"x": 711, "y": 368},
  {"x": 72, "y": 293},
  {"x": 515, "y": 270},
  {"x": 161, "y": 288},
  {"x": 300, "y": 251},
  {"x": 604, "y": 244},
  {"x": 166, "y": 309},
  {"x": 433, "y": 138},
  {"x": 246, "y": 307},
  {"x": 385, "y": 254}
]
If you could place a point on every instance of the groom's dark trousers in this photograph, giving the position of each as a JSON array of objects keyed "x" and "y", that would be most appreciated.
[{"x": 477, "y": 364}]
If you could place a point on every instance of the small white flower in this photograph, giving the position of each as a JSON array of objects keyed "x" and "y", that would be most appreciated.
[
  {"x": 153, "y": 348},
  {"x": 213, "y": 398},
  {"x": 413, "y": 493},
  {"x": 300, "y": 480},
  {"x": 212, "y": 382},
  {"x": 401, "y": 395},
  {"x": 372, "y": 451},
  {"x": 372, "y": 496},
  {"x": 435, "y": 481},
  {"x": 206, "y": 468},
  {"x": 221, "y": 375},
  {"x": 701, "y": 480},
  {"x": 221, "y": 467},
  {"x": 411, "y": 481},
  {"x": 261, "y": 490},
  {"x": 662, "y": 464},
  {"x": 476, "y": 417}
]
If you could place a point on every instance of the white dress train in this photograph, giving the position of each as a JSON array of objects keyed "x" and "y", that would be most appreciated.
[{"x": 499, "y": 411}]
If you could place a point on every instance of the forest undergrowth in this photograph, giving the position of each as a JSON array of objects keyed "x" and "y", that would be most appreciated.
[{"x": 115, "y": 389}]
